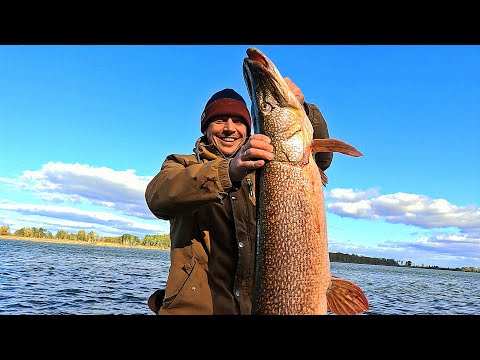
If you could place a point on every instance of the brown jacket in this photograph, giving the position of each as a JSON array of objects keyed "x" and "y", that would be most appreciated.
[{"x": 212, "y": 230}]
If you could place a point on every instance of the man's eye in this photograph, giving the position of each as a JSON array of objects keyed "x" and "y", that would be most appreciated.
[{"x": 219, "y": 121}]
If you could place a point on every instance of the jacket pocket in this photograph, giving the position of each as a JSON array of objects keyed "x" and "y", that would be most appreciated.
[{"x": 193, "y": 297}]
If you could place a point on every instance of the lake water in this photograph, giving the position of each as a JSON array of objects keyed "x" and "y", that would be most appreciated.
[{"x": 39, "y": 278}]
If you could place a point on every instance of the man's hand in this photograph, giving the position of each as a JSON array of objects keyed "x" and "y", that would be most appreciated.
[
  {"x": 295, "y": 89},
  {"x": 251, "y": 156}
]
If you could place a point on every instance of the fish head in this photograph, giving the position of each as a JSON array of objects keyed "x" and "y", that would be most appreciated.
[{"x": 276, "y": 111}]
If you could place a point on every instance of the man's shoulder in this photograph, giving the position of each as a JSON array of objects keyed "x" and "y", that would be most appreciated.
[
  {"x": 181, "y": 157},
  {"x": 185, "y": 159}
]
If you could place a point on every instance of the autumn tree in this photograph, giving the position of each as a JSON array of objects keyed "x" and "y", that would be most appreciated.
[
  {"x": 82, "y": 235},
  {"x": 5, "y": 230},
  {"x": 61, "y": 234},
  {"x": 92, "y": 237},
  {"x": 25, "y": 232}
]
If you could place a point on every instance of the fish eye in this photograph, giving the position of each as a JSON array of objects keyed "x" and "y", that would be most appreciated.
[{"x": 266, "y": 107}]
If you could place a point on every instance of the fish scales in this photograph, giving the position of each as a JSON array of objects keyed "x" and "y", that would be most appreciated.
[
  {"x": 294, "y": 264},
  {"x": 292, "y": 261}
]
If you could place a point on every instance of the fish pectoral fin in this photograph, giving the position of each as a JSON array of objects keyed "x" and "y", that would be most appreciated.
[
  {"x": 334, "y": 145},
  {"x": 345, "y": 298},
  {"x": 324, "y": 177}
]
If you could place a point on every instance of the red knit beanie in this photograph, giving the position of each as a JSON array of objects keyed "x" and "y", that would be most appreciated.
[{"x": 226, "y": 102}]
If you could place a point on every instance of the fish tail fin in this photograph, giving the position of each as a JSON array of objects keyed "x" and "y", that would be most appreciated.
[{"x": 345, "y": 298}]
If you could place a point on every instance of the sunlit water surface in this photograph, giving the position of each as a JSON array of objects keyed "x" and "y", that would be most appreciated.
[{"x": 55, "y": 279}]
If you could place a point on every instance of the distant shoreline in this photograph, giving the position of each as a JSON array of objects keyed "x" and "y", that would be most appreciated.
[
  {"x": 346, "y": 258},
  {"x": 78, "y": 242}
]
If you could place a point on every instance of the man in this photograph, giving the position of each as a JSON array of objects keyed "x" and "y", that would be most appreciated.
[{"x": 209, "y": 199}]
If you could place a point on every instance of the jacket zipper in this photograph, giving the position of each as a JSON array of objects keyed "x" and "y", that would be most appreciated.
[{"x": 250, "y": 187}]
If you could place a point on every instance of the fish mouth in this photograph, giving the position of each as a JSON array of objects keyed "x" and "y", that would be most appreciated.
[
  {"x": 254, "y": 62},
  {"x": 257, "y": 66},
  {"x": 276, "y": 111}
]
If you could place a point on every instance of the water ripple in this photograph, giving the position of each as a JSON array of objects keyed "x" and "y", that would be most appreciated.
[
  {"x": 414, "y": 291},
  {"x": 62, "y": 279}
]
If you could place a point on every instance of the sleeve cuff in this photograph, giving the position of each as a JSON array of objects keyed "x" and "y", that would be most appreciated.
[{"x": 223, "y": 174}]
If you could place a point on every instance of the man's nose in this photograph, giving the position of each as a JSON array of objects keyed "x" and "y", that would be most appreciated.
[{"x": 228, "y": 125}]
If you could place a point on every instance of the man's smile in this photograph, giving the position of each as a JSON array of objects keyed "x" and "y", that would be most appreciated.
[{"x": 228, "y": 139}]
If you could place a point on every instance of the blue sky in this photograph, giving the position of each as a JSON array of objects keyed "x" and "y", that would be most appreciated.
[{"x": 84, "y": 128}]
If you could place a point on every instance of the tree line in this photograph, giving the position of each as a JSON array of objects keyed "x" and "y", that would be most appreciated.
[
  {"x": 163, "y": 242},
  {"x": 358, "y": 259},
  {"x": 160, "y": 241}
]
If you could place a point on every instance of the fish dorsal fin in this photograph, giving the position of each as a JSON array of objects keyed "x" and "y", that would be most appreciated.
[
  {"x": 334, "y": 145},
  {"x": 345, "y": 298}
]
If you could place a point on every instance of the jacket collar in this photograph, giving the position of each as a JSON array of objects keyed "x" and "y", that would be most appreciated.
[{"x": 206, "y": 151}]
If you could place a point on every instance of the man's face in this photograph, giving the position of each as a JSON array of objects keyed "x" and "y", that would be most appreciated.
[{"x": 227, "y": 133}]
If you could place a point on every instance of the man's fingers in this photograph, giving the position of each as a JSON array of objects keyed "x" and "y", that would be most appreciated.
[
  {"x": 255, "y": 154},
  {"x": 260, "y": 137},
  {"x": 255, "y": 145}
]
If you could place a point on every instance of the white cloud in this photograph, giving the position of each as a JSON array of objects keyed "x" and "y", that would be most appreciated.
[
  {"x": 409, "y": 209},
  {"x": 350, "y": 195},
  {"x": 81, "y": 219},
  {"x": 123, "y": 191},
  {"x": 451, "y": 231},
  {"x": 66, "y": 187}
]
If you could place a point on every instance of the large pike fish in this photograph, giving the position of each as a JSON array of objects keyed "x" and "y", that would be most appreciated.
[{"x": 292, "y": 261}]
